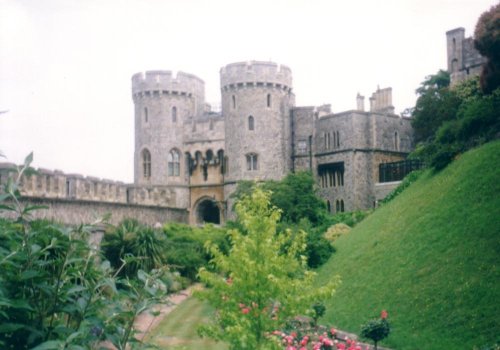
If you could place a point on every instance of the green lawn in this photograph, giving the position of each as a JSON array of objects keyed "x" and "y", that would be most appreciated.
[
  {"x": 430, "y": 257},
  {"x": 178, "y": 329}
]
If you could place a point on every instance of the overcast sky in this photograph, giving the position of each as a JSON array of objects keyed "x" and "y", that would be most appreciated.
[{"x": 65, "y": 65}]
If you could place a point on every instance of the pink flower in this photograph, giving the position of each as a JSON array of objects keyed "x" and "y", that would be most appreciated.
[
  {"x": 245, "y": 310},
  {"x": 384, "y": 314},
  {"x": 333, "y": 331}
]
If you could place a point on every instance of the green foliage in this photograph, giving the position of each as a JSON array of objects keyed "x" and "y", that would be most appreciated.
[
  {"x": 318, "y": 310},
  {"x": 185, "y": 246},
  {"x": 295, "y": 195},
  {"x": 430, "y": 256},
  {"x": 131, "y": 247},
  {"x": 262, "y": 282},
  {"x": 487, "y": 42},
  {"x": 376, "y": 330},
  {"x": 55, "y": 293},
  {"x": 435, "y": 105},
  {"x": 448, "y": 122}
]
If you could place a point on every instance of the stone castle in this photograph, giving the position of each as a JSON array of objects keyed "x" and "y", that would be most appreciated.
[
  {"x": 188, "y": 159},
  {"x": 197, "y": 156}
]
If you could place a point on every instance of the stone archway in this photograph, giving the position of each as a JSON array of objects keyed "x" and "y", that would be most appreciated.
[{"x": 207, "y": 211}]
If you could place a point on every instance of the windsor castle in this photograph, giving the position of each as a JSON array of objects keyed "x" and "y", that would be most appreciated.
[{"x": 188, "y": 159}]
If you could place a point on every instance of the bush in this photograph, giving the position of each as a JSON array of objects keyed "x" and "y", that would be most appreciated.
[
  {"x": 131, "y": 247},
  {"x": 376, "y": 329},
  {"x": 56, "y": 291},
  {"x": 185, "y": 247}
]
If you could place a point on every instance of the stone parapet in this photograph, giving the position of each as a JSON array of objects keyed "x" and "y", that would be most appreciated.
[
  {"x": 49, "y": 184},
  {"x": 256, "y": 73}
]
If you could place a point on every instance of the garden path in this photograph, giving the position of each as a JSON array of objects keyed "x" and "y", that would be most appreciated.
[{"x": 146, "y": 321}]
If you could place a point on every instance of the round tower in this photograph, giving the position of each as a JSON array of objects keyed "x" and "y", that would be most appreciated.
[
  {"x": 256, "y": 101},
  {"x": 163, "y": 103}
]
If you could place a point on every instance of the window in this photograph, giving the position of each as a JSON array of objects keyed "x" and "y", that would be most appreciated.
[
  {"x": 251, "y": 161},
  {"x": 251, "y": 123},
  {"x": 234, "y": 102},
  {"x": 338, "y": 139},
  {"x": 334, "y": 139},
  {"x": 174, "y": 163},
  {"x": 396, "y": 141},
  {"x": 302, "y": 146},
  {"x": 146, "y": 163},
  {"x": 174, "y": 114},
  {"x": 341, "y": 205},
  {"x": 331, "y": 175},
  {"x": 268, "y": 100},
  {"x": 146, "y": 114},
  {"x": 328, "y": 206}
]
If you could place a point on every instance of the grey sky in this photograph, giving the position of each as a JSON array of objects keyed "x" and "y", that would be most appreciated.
[{"x": 65, "y": 65}]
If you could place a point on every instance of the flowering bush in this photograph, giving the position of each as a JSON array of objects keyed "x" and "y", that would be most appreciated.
[
  {"x": 376, "y": 329},
  {"x": 315, "y": 341}
]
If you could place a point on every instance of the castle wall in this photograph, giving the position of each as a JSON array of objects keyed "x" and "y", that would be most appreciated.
[
  {"x": 76, "y": 212},
  {"x": 261, "y": 90},
  {"x": 464, "y": 60},
  {"x": 303, "y": 134},
  {"x": 163, "y": 105}
]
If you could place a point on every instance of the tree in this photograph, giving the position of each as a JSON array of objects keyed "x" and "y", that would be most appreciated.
[
  {"x": 295, "y": 196},
  {"x": 436, "y": 104},
  {"x": 487, "y": 42},
  {"x": 262, "y": 282}
]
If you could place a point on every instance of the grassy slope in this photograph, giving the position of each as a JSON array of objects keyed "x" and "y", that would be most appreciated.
[
  {"x": 179, "y": 329},
  {"x": 430, "y": 257}
]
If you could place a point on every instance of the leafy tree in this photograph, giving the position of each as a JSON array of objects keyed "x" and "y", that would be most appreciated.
[
  {"x": 487, "y": 42},
  {"x": 436, "y": 104},
  {"x": 262, "y": 282},
  {"x": 295, "y": 195}
]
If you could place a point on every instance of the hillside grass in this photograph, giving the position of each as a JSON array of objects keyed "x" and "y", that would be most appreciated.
[
  {"x": 178, "y": 330},
  {"x": 430, "y": 258}
]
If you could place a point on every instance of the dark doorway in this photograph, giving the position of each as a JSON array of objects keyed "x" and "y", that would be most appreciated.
[{"x": 208, "y": 211}]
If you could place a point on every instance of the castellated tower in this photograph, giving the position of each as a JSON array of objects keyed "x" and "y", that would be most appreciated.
[
  {"x": 163, "y": 103},
  {"x": 256, "y": 102}
]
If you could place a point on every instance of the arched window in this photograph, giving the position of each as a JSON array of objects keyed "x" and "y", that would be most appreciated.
[
  {"x": 334, "y": 139},
  {"x": 268, "y": 100},
  {"x": 234, "y": 102},
  {"x": 146, "y": 114},
  {"x": 341, "y": 205},
  {"x": 396, "y": 141},
  {"x": 252, "y": 161},
  {"x": 338, "y": 139},
  {"x": 328, "y": 206},
  {"x": 337, "y": 206},
  {"x": 174, "y": 114},
  {"x": 174, "y": 163},
  {"x": 146, "y": 163},
  {"x": 251, "y": 123},
  {"x": 454, "y": 44}
]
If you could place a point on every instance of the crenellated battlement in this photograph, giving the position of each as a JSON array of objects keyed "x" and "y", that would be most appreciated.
[
  {"x": 255, "y": 74},
  {"x": 75, "y": 187},
  {"x": 160, "y": 82}
]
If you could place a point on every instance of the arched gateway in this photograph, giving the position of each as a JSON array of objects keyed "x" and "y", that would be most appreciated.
[{"x": 207, "y": 211}]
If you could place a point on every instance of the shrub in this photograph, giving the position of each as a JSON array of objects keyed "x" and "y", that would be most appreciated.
[
  {"x": 55, "y": 293},
  {"x": 376, "y": 329},
  {"x": 138, "y": 247},
  {"x": 185, "y": 246}
]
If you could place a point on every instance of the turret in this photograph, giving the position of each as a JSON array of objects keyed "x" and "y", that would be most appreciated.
[
  {"x": 163, "y": 103},
  {"x": 256, "y": 101}
]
